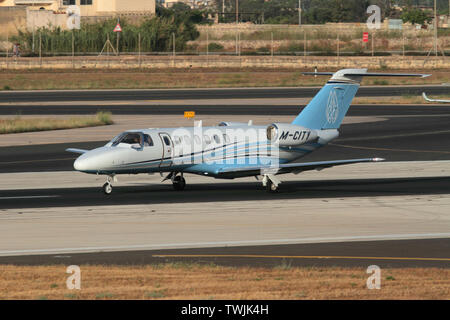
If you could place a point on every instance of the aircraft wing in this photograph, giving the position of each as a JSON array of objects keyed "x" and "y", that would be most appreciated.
[
  {"x": 424, "y": 95},
  {"x": 290, "y": 167},
  {"x": 80, "y": 151}
]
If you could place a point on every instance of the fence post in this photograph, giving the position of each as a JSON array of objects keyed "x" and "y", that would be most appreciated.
[
  {"x": 139, "y": 49},
  {"x": 403, "y": 43},
  {"x": 7, "y": 49},
  {"x": 373, "y": 43},
  {"x": 338, "y": 46},
  {"x": 174, "y": 52},
  {"x": 207, "y": 48},
  {"x": 118, "y": 38},
  {"x": 107, "y": 52},
  {"x": 73, "y": 51},
  {"x": 271, "y": 46},
  {"x": 40, "y": 49},
  {"x": 304, "y": 42},
  {"x": 239, "y": 44}
]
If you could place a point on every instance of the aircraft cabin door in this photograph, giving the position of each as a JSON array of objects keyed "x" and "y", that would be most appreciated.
[{"x": 167, "y": 146}]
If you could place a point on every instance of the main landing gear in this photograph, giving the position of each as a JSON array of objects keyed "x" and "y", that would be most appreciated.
[
  {"x": 178, "y": 182},
  {"x": 271, "y": 183}
]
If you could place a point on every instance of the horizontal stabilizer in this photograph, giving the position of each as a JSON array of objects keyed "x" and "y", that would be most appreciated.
[
  {"x": 367, "y": 74},
  {"x": 424, "y": 95},
  {"x": 80, "y": 151}
]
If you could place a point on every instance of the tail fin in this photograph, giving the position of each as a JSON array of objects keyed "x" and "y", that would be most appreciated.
[{"x": 329, "y": 107}]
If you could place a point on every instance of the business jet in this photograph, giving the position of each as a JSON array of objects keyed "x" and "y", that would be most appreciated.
[
  {"x": 233, "y": 150},
  {"x": 424, "y": 95}
]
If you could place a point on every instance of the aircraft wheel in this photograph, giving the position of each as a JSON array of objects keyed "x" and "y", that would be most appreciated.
[
  {"x": 107, "y": 188},
  {"x": 271, "y": 187},
  {"x": 179, "y": 183}
]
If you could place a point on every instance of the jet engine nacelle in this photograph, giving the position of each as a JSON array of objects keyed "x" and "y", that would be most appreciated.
[{"x": 286, "y": 134}]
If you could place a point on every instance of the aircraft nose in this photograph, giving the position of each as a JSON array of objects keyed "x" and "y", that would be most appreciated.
[{"x": 81, "y": 164}]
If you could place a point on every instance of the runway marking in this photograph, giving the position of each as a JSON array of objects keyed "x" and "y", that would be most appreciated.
[
  {"x": 403, "y": 135},
  {"x": 388, "y": 149},
  {"x": 28, "y": 197},
  {"x": 31, "y": 161},
  {"x": 414, "y": 236},
  {"x": 291, "y": 257}
]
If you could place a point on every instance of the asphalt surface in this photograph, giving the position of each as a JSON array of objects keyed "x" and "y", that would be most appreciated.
[
  {"x": 142, "y": 109},
  {"x": 216, "y": 191},
  {"x": 236, "y": 93},
  {"x": 385, "y": 254},
  {"x": 419, "y": 133},
  {"x": 410, "y": 133}
]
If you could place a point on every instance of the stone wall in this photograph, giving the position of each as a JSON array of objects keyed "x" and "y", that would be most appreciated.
[{"x": 12, "y": 19}]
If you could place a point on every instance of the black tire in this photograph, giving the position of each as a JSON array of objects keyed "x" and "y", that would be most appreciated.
[
  {"x": 107, "y": 188},
  {"x": 179, "y": 183},
  {"x": 270, "y": 187}
]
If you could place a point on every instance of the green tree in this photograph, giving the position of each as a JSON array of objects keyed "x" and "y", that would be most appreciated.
[{"x": 417, "y": 16}]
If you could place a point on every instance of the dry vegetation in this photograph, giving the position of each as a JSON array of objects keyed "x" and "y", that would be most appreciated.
[
  {"x": 398, "y": 100},
  {"x": 18, "y": 124},
  {"x": 181, "y": 78},
  {"x": 192, "y": 281}
]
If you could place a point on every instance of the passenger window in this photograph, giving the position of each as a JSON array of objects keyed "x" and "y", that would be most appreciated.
[
  {"x": 187, "y": 139},
  {"x": 207, "y": 139},
  {"x": 177, "y": 140},
  {"x": 148, "y": 141},
  {"x": 226, "y": 138},
  {"x": 197, "y": 139},
  {"x": 166, "y": 141},
  {"x": 216, "y": 138}
]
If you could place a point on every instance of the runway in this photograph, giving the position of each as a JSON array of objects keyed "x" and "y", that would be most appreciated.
[
  {"x": 405, "y": 133},
  {"x": 210, "y": 109},
  {"x": 423, "y": 253},
  {"x": 151, "y": 193},
  {"x": 399, "y": 209},
  {"x": 198, "y": 94}
]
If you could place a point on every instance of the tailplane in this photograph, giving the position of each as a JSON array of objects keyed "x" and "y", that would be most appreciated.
[{"x": 329, "y": 107}]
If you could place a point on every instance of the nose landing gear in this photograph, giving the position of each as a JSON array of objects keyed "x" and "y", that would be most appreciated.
[{"x": 107, "y": 187}]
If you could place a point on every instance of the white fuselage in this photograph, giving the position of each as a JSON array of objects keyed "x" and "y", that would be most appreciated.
[{"x": 199, "y": 150}]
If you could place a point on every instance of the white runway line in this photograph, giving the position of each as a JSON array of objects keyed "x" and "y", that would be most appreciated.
[
  {"x": 28, "y": 197},
  {"x": 227, "y": 243}
]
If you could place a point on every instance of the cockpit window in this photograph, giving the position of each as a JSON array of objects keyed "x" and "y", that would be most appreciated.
[{"x": 128, "y": 138}]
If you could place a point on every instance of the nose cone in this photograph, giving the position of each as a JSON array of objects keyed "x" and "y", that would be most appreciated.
[
  {"x": 81, "y": 164},
  {"x": 92, "y": 161}
]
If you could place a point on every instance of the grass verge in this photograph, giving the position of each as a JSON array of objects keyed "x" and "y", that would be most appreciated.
[
  {"x": 398, "y": 100},
  {"x": 185, "y": 78},
  {"x": 18, "y": 124},
  {"x": 194, "y": 281}
]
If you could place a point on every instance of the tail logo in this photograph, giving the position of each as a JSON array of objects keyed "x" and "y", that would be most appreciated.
[{"x": 332, "y": 111}]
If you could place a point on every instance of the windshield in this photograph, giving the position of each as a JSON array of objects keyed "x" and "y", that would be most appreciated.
[
  {"x": 133, "y": 138},
  {"x": 128, "y": 138}
]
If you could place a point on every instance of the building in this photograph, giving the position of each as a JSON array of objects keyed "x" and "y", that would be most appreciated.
[
  {"x": 194, "y": 4},
  {"x": 87, "y": 7},
  {"x": 18, "y": 15}
]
